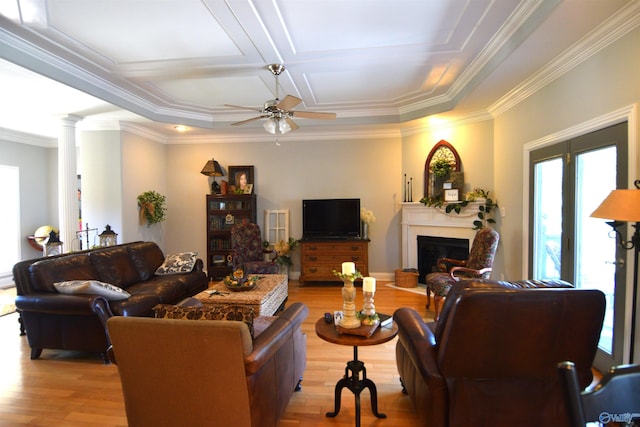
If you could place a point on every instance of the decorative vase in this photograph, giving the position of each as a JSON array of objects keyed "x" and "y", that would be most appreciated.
[
  {"x": 283, "y": 269},
  {"x": 365, "y": 230}
]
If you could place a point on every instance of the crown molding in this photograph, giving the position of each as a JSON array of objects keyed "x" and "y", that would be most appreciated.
[
  {"x": 11, "y": 135},
  {"x": 606, "y": 34}
]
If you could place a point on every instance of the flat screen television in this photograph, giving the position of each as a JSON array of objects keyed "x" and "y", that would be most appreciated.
[{"x": 331, "y": 219}]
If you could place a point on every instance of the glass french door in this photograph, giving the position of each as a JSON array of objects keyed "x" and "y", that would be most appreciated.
[{"x": 568, "y": 181}]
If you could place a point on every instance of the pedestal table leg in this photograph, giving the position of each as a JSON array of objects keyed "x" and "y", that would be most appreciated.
[{"x": 352, "y": 381}]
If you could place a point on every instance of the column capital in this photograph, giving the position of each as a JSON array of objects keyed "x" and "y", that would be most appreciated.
[{"x": 70, "y": 119}]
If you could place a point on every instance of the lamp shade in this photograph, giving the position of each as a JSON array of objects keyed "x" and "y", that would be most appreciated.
[
  {"x": 212, "y": 168},
  {"x": 620, "y": 205}
]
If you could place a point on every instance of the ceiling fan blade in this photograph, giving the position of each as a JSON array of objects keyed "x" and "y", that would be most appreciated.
[
  {"x": 314, "y": 115},
  {"x": 288, "y": 103},
  {"x": 292, "y": 124},
  {"x": 243, "y": 108},
  {"x": 248, "y": 120}
]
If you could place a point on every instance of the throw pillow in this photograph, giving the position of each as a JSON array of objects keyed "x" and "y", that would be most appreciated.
[
  {"x": 178, "y": 263},
  {"x": 241, "y": 313},
  {"x": 91, "y": 287}
]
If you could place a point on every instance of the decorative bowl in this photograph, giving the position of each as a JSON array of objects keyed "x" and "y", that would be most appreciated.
[{"x": 240, "y": 284}]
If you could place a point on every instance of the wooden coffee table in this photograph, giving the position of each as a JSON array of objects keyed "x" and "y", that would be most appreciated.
[
  {"x": 267, "y": 297},
  {"x": 351, "y": 379}
]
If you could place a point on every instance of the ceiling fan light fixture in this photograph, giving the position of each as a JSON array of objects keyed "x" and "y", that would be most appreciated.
[
  {"x": 275, "y": 125},
  {"x": 270, "y": 126},
  {"x": 283, "y": 126}
]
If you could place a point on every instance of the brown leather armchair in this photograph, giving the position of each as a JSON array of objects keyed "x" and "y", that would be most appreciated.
[
  {"x": 211, "y": 372},
  {"x": 491, "y": 358}
]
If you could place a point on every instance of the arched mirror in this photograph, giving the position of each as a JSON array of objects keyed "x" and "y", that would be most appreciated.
[{"x": 442, "y": 171}]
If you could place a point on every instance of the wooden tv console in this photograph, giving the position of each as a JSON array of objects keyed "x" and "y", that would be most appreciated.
[{"x": 319, "y": 257}]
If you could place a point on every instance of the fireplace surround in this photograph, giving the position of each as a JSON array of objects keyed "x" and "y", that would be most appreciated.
[{"x": 420, "y": 220}]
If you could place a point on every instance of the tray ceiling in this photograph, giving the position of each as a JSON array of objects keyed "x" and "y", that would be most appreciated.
[{"x": 369, "y": 61}]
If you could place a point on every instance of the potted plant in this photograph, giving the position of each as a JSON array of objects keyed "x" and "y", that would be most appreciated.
[
  {"x": 440, "y": 167},
  {"x": 283, "y": 250}
]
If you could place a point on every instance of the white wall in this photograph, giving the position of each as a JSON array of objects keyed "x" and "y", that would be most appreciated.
[
  {"x": 101, "y": 166},
  {"x": 38, "y": 190},
  {"x": 366, "y": 168},
  {"x": 144, "y": 168}
]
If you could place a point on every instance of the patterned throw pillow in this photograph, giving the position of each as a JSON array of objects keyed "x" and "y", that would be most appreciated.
[
  {"x": 178, "y": 263},
  {"x": 241, "y": 313},
  {"x": 91, "y": 287}
]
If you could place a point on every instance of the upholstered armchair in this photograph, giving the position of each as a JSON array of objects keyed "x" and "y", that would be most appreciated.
[
  {"x": 208, "y": 372},
  {"x": 477, "y": 266},
  {"x": 248, "y": 253}
]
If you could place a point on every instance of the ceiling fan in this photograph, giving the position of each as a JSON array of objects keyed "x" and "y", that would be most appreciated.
[{"x": 279, "y": 113}]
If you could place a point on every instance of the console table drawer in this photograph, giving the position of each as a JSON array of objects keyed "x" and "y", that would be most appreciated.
[
  {"x": 339, "y": 258},
  {"x": 318, "y": 259},
  {"x": 336, "y": 247}
]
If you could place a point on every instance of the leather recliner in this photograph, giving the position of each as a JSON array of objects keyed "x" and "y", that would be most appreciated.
[{"x": 491, "y": 358}]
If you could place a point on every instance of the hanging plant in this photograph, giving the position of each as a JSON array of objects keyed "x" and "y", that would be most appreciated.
[
  {"x": 152, "y": 209},
  {"x": 440, "y": 167}
]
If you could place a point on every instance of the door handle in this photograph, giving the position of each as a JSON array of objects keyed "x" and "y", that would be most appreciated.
[{"x": 618, "y": 263}]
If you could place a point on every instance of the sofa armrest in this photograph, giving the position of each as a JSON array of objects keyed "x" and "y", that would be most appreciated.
[
  {"x": 63, "y": 304},
  {"x": 271, "y": 340},
  {"x": 418, "y": 340}
]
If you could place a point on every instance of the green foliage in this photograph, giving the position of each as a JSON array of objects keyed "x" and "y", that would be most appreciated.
[
  {"x": 440, "y": 167},
  {"x": 152, "y": 206},
  {"x": 484, "y": 210}
]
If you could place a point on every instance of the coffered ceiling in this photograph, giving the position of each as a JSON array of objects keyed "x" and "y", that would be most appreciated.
[{"x": 373, "y": 62}]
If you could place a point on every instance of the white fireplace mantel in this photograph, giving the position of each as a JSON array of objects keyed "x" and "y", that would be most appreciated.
[{"x": 420, "y": 220}]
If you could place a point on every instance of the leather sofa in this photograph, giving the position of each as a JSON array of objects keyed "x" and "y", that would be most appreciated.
[
  {"x": 491, "y": 358},
  {"x": 209, "y": 372},
  {"x": 78, "y": 322}
]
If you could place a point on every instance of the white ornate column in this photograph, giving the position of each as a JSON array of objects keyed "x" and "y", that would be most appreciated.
[{"x": 68, "y": 181}]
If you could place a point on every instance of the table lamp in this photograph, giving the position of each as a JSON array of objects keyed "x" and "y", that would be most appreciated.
[{"x": 212, "y": 168}]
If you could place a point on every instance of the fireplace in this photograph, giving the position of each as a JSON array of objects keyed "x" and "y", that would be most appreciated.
[
  {"x": 420, "y": 220},
  {"x": 431, "y": 248}
]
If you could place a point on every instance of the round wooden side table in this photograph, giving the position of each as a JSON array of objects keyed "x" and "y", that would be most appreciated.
[{"x": 351, "y": 379}]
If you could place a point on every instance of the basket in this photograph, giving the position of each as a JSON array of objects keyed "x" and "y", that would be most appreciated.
[{"x": 406, "y": 279}]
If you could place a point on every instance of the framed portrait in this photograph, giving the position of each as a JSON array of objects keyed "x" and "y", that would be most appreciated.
[{"x": 239, "y": 178}]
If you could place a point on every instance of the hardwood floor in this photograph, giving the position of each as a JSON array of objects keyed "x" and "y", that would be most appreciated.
[{"x": 77, "y": 389}]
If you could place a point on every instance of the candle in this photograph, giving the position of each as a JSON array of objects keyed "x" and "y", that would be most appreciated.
[
  {"x": 369, "y": 284},
  {"x": 348, "y": 268}
]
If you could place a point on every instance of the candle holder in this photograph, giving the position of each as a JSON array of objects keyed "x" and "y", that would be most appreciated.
[
  {"x": 369, "y": 309},
  {"x": 350, "y": 319},
  {"x": 368, "y": 314}
]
